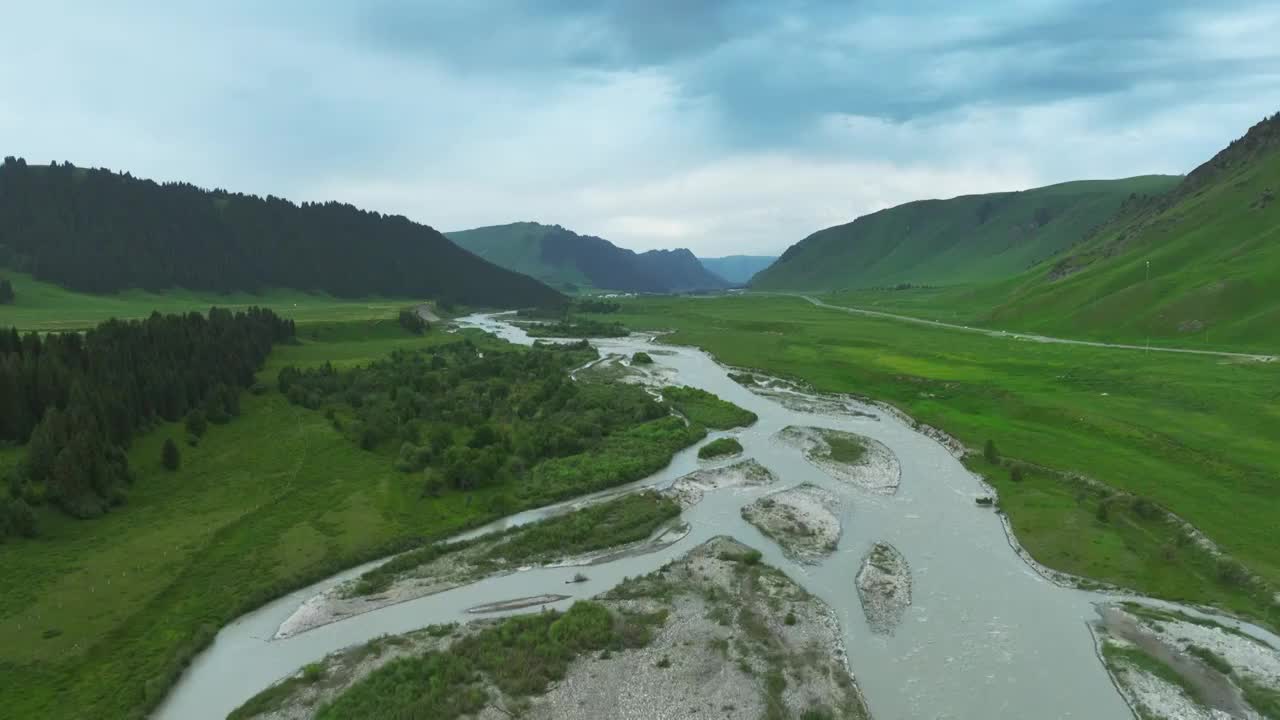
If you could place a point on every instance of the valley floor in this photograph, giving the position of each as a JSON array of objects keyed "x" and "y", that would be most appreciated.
[{"x": 1103, "y": 439}]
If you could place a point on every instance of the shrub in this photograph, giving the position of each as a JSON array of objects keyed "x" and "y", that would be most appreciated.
[
  {"x": 197, "y": 423},
  {"x": 641, "y": 358},
  {"x": 312, "y": 672},
  {"x": 1015, "y": 474},
  {"x": 1145, "y": 509},
  {"x": 169, "y": 455},
  {"x": 720, "y": 447},
  {"x": 790, "y": 619}
]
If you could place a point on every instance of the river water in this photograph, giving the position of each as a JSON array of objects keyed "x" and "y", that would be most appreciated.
[{"x": 985, "y": 636}]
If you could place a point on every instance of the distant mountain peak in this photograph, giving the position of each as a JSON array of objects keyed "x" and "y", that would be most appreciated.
[{"x": 562, "y": 258}]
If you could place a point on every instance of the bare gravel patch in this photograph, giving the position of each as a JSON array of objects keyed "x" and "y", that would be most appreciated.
[
  {"x": 876, "y": 471},
  {"x": 800, "y": 519},
  {"x": 689, "y": 489},
  {"x": 884, "y": 587}
]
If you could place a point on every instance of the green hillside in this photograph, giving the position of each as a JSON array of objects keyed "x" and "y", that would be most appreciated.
[
  {"x": 738, "y": 268},
  {"x": 1201, "y": 263},
  {"x": 962, "y": 240},
  {"x": 569, "y": 261}
]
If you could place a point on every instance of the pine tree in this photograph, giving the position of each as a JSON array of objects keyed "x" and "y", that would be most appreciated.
[
  {"x": 990, "y": 453},
  {"x": 170, "y": 456},
  {"x": 6, "y": 291}
]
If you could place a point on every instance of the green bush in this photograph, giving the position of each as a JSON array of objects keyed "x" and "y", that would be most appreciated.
[
  {"x": 720, "y": 447},
  {"x": 704, "y": 408},
  {"x": 641, "y": 358}
]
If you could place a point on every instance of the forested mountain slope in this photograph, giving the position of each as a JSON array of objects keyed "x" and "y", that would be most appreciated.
[
  {"x": 100, "y": 231},
  {"x": 738, "y": 269},
  {"x": 1202, "y": 260},
  {"x": 567, "y": 260},
  {"x": 965, "y": 239}
]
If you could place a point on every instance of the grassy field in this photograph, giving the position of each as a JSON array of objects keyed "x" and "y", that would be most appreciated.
[
  {"x": 98, "y": 617},
  {"x": 1194, "y": 435},
  {"x": 45, "y": 306}
]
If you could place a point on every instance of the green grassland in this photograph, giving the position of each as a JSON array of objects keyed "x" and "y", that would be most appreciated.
[
  {"x": 1192, "y": 434},
  {"x": 44, "y": 306},
  {"x": 98, "y": 617}
]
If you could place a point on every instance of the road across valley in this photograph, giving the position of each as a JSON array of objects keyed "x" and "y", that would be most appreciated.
[{"x": 1039, "y": 338}]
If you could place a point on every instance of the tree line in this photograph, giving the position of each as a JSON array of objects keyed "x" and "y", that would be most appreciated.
[
  {"x": 98, "y": 231},
  {"x": 77, "y": 401}
]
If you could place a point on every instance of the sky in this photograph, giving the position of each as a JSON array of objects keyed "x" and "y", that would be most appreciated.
[{"x": 734, "y": 126}]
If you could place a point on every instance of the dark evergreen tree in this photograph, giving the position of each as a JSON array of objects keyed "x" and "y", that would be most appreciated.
[
  {"x": 6, "y": 291},
  {"x": 990, "y": 452},
  {"x": 196, "y": 423},
  {"x": 169, "y": 455},
  {"x": 77, "y": 400}
]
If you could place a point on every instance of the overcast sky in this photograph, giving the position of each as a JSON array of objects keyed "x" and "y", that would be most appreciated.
[{"x": 726, "y": 127}]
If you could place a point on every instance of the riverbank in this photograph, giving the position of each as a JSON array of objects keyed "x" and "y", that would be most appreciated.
[
  {"x": 596, "y": 532},
  {"x": 1173, "y": 666}
]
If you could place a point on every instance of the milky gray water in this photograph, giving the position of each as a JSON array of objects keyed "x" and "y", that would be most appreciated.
[{"x": 985, "y": 636}]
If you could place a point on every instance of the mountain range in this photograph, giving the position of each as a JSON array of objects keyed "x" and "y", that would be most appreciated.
[
  {"x": 738, "y": 269},
  {"x": 569, "y": 261}
]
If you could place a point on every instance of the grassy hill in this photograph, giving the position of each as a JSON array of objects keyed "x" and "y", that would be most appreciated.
[
  {"x": 1196, "y": 266},
  {"x": 567, "y": 260},
  {"x": 1202, "y": 262},
  {"x": 738, "y": 269},
  {"x": 98, "y": 231},
  {"x": 962, "y": 240}
]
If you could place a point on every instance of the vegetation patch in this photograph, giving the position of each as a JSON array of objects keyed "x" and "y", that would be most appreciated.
[
  {"x": 720, "y": 447},
  {"x": 704, "y": 408},
  {"x": 577, "y": 328}
]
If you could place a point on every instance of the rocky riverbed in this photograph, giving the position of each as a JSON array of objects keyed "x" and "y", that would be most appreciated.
[
  {"x": 688, "y": 490},
  {"x": 1170, "y": 665},
  {"x": 884, "y": 587},
  {"x": 874, "y": 469},
  {"x": 801, "y": 520}
]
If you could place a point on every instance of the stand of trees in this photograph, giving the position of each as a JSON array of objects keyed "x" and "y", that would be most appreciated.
[
  {"x": 468, "y": 419},
  {"x": 99, "y": 231},
  {"x": 78, "y": 400}
]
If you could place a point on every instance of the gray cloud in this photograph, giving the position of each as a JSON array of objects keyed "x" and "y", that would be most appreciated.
[{"x": 735, "y": 125}]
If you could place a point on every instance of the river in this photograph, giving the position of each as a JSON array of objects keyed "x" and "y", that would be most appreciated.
[{"x": 985, "y": 637}]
